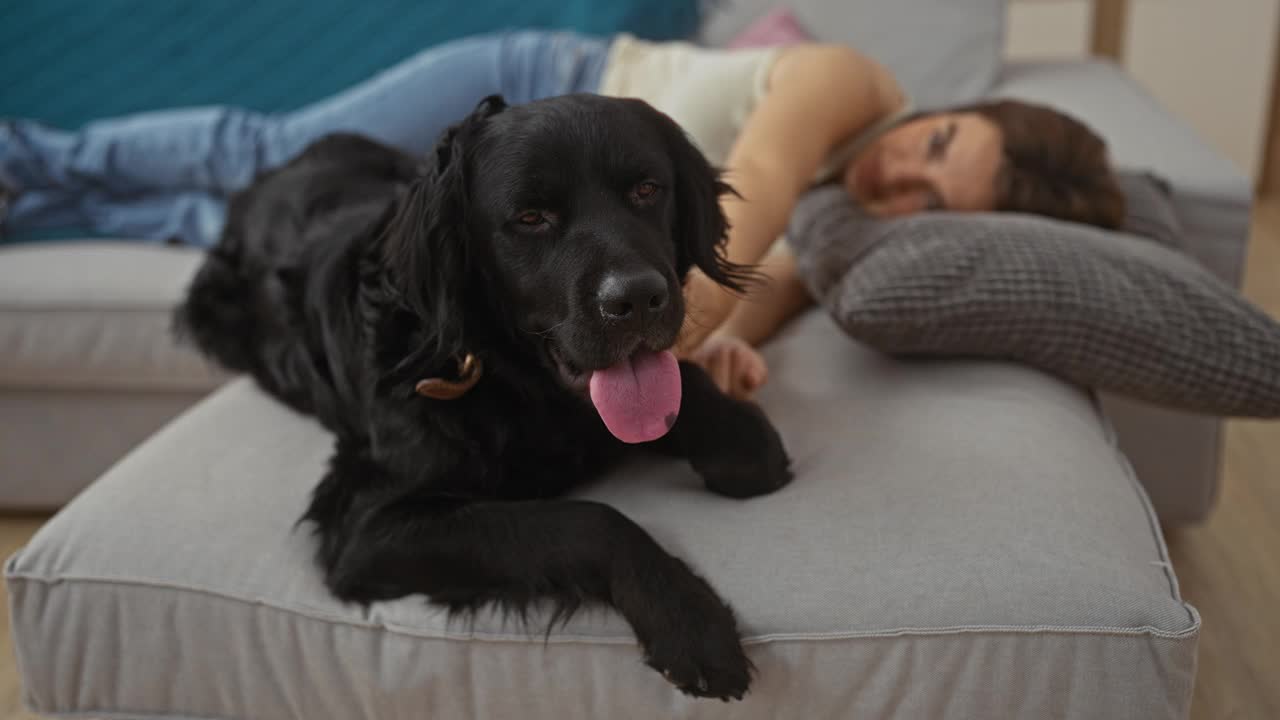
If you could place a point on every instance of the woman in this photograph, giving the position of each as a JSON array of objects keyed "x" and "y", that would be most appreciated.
[
  {"x": 1016, "y": 157},
  {"x": 778, "y": 120}
]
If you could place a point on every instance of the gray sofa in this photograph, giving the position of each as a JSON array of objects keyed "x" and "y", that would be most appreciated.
[
  {"x": 963, "y": 539},
  {"x": 88, "y": 369},
  {"x": 88, "y": 366}
]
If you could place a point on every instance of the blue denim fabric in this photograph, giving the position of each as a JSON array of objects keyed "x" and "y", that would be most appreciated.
[{"x": 166, "y": 175}]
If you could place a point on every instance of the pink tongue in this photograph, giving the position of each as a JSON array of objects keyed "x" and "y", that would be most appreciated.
[{"x": 639, "y": 398}]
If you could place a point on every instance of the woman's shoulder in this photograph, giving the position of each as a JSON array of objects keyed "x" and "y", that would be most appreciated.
[{"x": 817, "y": 63}]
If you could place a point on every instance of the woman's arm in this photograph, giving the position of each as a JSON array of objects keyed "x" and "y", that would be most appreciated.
[
  {"x": 727, "y": 353},
  {"x": 819, "y": 95},
  {"x": 760, "y": 315}
]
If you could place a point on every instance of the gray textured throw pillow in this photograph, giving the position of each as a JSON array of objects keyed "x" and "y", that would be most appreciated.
[
  {"x": 1102, "y": 309},
  {"x": 1148, "y": 210}
]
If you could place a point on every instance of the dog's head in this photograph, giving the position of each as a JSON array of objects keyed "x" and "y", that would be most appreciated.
[{"x": 575, "y": 219}]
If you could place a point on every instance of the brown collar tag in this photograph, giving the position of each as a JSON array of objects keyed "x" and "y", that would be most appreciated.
[{"x": 469, "y": 371}]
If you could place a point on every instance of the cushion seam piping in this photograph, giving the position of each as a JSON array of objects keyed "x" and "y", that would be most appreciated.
[
  {"x": 1137, "y": 631},
  {"x": 1153, "y": 524}
]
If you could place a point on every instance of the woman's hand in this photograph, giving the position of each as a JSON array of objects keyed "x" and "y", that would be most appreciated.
[{"x": 734, "y": 366}]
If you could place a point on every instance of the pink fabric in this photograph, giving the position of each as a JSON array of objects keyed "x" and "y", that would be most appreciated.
[{"x": 778, "y": 27}]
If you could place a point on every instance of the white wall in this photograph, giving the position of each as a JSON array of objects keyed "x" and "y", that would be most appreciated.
[
  {"x": 1209, "y": 61},
  {"x": 1058, "y": 29}
]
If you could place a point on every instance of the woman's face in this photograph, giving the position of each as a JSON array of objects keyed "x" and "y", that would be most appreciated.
[{"x": 942, "y": 161}]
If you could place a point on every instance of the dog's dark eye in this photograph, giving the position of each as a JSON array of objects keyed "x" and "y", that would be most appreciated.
[
  {"x": 534, "y": 220},
  {"x": 645, "y": 192}
]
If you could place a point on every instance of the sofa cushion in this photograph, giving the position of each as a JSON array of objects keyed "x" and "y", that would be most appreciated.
[
  {"x": 56, "y": 442},
  {"x": 941, "y": 51},
  {"x": 961, "y": 540},
  {"x": 96, "y": 316}
]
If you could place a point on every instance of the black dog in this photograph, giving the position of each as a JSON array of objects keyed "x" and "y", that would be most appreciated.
[{"x": 454, "y": 324}]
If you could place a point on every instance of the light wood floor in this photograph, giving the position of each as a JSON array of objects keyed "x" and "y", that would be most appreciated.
[
  {"x": 1229, "y": 568},
  {"x": 14, "y": 533}
]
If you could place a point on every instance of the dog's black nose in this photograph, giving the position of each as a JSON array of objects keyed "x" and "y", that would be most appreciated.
[{"x": 633, "y": 297}]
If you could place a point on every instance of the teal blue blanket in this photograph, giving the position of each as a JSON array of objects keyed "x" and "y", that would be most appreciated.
[{"x": 68, "y": 61}]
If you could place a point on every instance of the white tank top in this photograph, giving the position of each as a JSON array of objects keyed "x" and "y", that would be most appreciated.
[{"x": 709, "y": 92}]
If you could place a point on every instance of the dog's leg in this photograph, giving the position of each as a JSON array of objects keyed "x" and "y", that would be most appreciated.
[
  {"x": 378, "y": 544},
  {"x": 731, "y": 443}
]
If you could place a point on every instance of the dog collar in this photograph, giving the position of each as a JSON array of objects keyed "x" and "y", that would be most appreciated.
[{"x": 469, "y": 371}]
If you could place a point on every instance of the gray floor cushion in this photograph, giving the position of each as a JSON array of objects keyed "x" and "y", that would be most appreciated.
[{"x": 962, "y": 540}]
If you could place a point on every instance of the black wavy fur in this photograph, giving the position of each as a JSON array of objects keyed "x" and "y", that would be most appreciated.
[{"x": 354, "y": 271}]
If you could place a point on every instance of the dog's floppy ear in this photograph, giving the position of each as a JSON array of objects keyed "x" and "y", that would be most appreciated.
[
  {"x": 425, "y": 245},
  {"x": 700, "y": 226}
]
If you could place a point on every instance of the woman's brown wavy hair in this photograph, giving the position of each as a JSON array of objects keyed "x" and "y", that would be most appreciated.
[{"x": 1053, "y": 165}]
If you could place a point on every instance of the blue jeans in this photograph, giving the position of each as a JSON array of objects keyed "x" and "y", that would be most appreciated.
[{"x": 167, "y": 175}]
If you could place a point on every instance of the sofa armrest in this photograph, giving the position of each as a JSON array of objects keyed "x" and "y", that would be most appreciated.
[
  {"x": 1176, "y": 455},
  {"x": 1141, "y": 132},
  {"x": 1213, "y": 197}
]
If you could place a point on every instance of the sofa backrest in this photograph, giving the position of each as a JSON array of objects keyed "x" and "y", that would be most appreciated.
[{"x": 942, "y": 51}]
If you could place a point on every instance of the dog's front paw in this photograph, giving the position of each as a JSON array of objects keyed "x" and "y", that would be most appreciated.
[
  {"x": 749, "y": 458},
  {"x": 699, "y": 651},
  {"x": 699, "y": 669}
]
